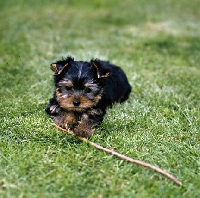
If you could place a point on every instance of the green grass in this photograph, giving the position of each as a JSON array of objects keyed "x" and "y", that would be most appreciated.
[{"x": 157, "y": 43}]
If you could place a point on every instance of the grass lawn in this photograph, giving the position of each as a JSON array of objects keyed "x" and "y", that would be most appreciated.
[{"x": 157, "y": 43}]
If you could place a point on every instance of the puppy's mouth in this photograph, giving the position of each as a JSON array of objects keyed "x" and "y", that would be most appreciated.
[
  {"x": 76, "y": 109},
  {"x": 76, "y": 106}
]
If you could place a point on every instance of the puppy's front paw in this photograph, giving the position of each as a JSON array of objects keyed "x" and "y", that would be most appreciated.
[{"x": 84, "y": 130}]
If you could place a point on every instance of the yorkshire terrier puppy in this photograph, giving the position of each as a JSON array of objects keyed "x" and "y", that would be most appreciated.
[{"x": 83, "y": 90}]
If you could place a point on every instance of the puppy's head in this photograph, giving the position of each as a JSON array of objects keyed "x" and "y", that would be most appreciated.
[{"x": 79, "y": 85}]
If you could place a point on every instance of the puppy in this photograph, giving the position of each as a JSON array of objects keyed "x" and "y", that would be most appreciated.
[{"x": 83, "y": 91}]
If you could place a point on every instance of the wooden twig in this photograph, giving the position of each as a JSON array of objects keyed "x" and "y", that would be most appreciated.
[{"x": 112, "y": 152}]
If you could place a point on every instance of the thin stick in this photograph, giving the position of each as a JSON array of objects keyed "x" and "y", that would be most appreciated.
[{"x": 112, "y": 152}]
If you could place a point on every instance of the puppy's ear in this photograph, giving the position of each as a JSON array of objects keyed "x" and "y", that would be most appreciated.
[
  {"x": 58, "y": 67},
  {"x": 102, "y": 72}
]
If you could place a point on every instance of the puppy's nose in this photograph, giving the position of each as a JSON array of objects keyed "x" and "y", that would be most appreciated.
[{"x": 76, "y": 102}]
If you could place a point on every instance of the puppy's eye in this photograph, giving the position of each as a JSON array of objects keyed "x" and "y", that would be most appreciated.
[
  {"x": 88, "y": 90},
  {"x": 68, "y": 88}
]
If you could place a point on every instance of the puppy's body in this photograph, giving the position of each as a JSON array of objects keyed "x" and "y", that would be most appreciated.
[{"x": 83, "y": 91}]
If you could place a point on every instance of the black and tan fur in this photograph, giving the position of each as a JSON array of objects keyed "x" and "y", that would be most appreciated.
[{"x": 83, "y": 91}]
